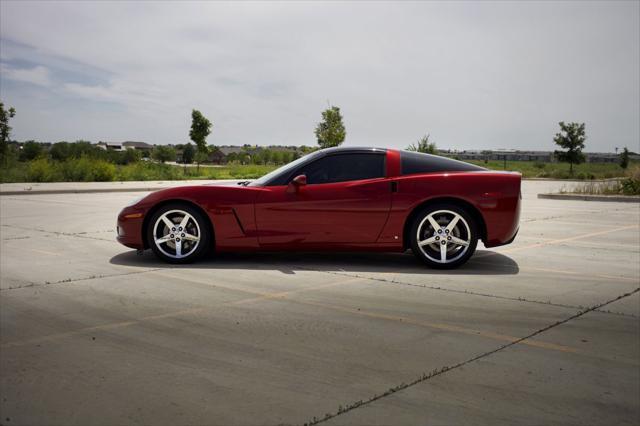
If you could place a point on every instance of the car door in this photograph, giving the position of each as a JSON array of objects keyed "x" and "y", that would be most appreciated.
[{"x": 346, "y": 201}]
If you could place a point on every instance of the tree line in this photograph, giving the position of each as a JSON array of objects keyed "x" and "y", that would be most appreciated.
[{"x": 329, "y": 132}]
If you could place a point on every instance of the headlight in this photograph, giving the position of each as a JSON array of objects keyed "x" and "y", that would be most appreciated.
[{"x": 134, "y": 202}]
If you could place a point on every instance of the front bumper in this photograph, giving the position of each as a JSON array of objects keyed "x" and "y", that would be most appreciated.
[{"x": 129, "y": 227}]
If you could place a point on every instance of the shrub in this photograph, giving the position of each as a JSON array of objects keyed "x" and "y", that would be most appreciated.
[
  {"x": 41, "y": 170},
  {"x": 75, "y": 170},
  {"x": 60, "y": 151},
  {"x": 145, "y": 170},
  {"x": 163, "y": 153},
  {"x": 103, "y": 171},
  {"x": 86, "y": 169},
  {"x": 560, "y": 174},
  {"x": 538, "y": 164},
  {"x": 631, "y": 184},
  {"x": 121, "y": 157}
]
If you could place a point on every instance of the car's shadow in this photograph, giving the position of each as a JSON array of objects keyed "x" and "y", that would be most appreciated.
[{"x": 483, "y": 262}]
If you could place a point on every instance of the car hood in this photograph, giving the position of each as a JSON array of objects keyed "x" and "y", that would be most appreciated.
[{"x": 224, "y": 192}]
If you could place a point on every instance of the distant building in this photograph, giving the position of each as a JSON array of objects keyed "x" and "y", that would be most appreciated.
[
  {"x": 140, "y": 146},
  {"x": 226, "y": 150},
  {"x": 121, "y": 146},
  {"x": 115, "y": 146},
  {"x": 601, "y": 157},
  {"x": 216, "y": 156}
]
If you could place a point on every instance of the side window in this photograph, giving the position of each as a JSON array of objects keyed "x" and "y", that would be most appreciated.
[
  {"x": 343, "y": 167},
  {"x": 415, "y": 162}
]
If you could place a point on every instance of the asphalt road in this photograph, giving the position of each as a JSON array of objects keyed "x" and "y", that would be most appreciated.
[{"x": 543, "y": 331}]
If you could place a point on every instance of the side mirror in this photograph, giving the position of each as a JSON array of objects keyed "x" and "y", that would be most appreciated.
[{"x": 296, "y": 183}]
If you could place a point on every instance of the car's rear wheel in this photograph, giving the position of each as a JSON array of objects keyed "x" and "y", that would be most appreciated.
[
  {"x": 444, "y": 236},
  {"x": 178, "y": 233}
]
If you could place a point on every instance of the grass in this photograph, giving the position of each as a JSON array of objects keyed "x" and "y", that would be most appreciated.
[
  {"x": 628, "y": 185},
  {"x": 536, "y": 169},
  {"x": 94, "y": 170},
  {"x": 86, "y": 169}
]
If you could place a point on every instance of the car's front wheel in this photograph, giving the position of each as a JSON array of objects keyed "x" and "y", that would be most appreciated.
[
  {"x": 178, "y": 233},
  {"x": 444, "y": 236}
]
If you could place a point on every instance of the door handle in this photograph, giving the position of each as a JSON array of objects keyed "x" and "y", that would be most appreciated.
[{"x": 394, "y": 186}]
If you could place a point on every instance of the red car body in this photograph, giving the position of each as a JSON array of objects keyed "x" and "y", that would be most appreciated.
[{"x": 369, "y": 214}]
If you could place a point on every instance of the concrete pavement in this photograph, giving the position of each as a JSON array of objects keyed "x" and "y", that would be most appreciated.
[{"x": 545, "y": 330}]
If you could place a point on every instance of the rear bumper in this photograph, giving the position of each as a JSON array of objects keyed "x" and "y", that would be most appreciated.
[
  {"x": 505, "y": 222},
  {"x": 497, "y": 243},
  {"x": 129, "y": 228}
]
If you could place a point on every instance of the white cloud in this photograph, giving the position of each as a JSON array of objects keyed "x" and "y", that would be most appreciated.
[{"x": 38, "y": 75}]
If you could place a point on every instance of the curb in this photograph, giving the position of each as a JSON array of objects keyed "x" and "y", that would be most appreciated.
[
  {"x": 586, "y": 197},
  {"x": 574, "y": 180},
  {"x": 82, "y": 191}
]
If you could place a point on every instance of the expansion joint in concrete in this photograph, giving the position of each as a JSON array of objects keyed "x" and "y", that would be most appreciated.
[{"x": 439, "y": 371}]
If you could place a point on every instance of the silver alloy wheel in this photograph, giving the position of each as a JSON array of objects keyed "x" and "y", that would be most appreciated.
[
  {"x": 176, "y": 234},
  {"x": 444, "y": 236}
]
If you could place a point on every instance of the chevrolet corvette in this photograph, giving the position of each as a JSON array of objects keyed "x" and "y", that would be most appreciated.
[{"x": 339, "y": 199}]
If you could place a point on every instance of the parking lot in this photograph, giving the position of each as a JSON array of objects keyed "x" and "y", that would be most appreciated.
[{"x": 545, "y": 330}]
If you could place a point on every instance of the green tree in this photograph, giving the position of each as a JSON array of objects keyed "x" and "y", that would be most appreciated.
[
  {"x": 244, "y": 157},
  {"x": 232, "y": 157},
  {"x": 424, "y": 146},
  {"x": 5, "y": 130},
  {"x": 200, "y": 129},
  {"x": 163, "y": 153},
  {"x": 330, "y": 131},
  {"x": 84, "y": 148},
  {"x": 60, "y": 151},
  {"x": 571, "y": 137},
  {"x": 30, "y": 151},
  {"x": 267, "y": 155},
  {"x": 201, "y": 157},
  {"x": 256, "y": 157},
  {"x": 188, "y": 154},
  {"x": 132, "y": 156},
  {"x": 624, "y": 158}
]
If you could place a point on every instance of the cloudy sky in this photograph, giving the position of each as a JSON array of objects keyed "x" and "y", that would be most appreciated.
[{"x": 473, "y": 75}]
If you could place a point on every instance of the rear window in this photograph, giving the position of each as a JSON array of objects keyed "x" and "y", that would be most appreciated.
[{"x": 417, "y": 162}]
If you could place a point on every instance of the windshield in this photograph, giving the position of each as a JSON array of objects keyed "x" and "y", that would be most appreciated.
[{"x": 287, "y": 168}]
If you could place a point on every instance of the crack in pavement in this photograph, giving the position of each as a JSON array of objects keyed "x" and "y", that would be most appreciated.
[
  {"x": 66, "y": 234},
  {"x": 16, "y": 238},
  {"x": 73, "y": 280},
  {"x": 46, "y": 201},
  {"x": 438, "y": 371},
  {"x": 473, "y": 293}
]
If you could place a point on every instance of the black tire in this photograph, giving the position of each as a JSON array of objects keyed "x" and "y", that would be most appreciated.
[
  {"x": 197, "y": 226},
  {"x": 465, "y": 230}
]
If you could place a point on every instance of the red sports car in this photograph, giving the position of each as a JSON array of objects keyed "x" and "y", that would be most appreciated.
[{"x": 335, "y": 199}]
